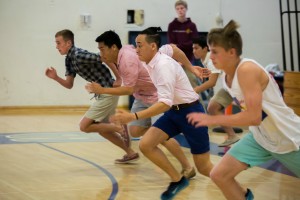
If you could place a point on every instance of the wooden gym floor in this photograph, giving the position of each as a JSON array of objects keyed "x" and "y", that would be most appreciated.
[{"x": 45, "y": 157}]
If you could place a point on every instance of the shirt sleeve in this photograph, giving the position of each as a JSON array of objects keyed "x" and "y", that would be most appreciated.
[
  {"x": 166, "y": 49},
  {"x": 69, "y": 70},
  {"x": 165, "y": 82}
]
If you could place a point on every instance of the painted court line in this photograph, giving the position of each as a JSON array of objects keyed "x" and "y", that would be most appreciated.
[{"x": 115, "y": 187}]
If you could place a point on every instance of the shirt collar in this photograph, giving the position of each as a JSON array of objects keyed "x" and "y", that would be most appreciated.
[
  {"x": 154, "y": 60},
  {"x": 71, "y": 50}
]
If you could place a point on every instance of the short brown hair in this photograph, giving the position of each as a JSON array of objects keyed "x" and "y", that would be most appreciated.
[
  {"x": 66, "y": 34},
  {"x": 227, "y": 37},
  {"x": 181, "y": 3}
]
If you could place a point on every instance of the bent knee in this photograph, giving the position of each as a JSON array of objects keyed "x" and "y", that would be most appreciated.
[
  {"x": 136, "y": 131},
  {"x": 217, "y": 176},
  {"x": 145, "y": 147}
]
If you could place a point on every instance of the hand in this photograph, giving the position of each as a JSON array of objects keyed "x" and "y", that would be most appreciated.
[
  {"x": 51, "y": 73},
  {"x": 122, "y": 117},
  {"x": 198, "y": 119},
  {"x": 118, "y": 82},
  {"x": 201, "y": 72},
  {"x": 94, "y": 87}
]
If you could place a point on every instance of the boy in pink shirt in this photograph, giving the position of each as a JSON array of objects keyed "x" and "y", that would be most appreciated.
[{"x": 136, "y": 81}]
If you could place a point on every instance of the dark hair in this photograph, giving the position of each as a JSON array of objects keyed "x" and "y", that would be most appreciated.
[
  {"x": 109, "y": 38},
  {"x": 66, "y": 34},
  {"x": 227, "y": 37},
  {"x": 201, "y": 41},
  {"x": 152, "y": 35}
]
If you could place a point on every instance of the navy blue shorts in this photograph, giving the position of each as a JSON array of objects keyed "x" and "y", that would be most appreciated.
[{"x": 174, "y": 122}]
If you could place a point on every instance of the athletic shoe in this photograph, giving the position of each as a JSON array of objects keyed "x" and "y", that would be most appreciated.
[
  {"x": 249, "y": 195},
  {"x": 125, "y": 136},
  {"x": 174, "y": 188},
  {"x": 188, "y": 173},
  {"x": 229, "y": 142},
  {"x": 128, "y": 159}
]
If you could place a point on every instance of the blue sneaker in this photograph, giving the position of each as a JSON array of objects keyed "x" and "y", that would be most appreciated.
[
  {"x": 249, "y": 195},
  {"x": 174, "y": 188}
]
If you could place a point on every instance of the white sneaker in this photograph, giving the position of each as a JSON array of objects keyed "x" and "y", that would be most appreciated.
[{"x": 229, "y": 142}]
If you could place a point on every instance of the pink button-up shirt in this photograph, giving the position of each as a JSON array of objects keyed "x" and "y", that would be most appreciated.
[
  {"x": 135, "y": 75},
  {"x": 172, "y": 83}
]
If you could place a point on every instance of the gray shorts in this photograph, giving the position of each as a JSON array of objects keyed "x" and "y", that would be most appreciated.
[
  {"x": 139, "y": 105},
  {"x": 222, "y": 97},
  {"x": 103, "y": 107}
]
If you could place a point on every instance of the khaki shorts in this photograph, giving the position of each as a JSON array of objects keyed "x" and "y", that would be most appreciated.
[
  {"x": 103, "y": 107},
  {"x": 222, "y": 97}
]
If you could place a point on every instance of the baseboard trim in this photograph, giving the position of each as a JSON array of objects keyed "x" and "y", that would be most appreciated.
[{"x": 45, "y": 110}]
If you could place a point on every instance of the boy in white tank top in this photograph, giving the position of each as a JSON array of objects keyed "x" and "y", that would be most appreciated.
[{"x": 274, "y": 127}]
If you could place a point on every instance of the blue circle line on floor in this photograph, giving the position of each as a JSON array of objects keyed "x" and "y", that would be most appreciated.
[{"x": 115, "y": 187}]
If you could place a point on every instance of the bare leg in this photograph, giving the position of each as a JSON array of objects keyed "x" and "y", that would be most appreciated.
[
  {"x": 203, "y": 163},
  {"x": 174, "y": 148},
  {"x": 224, "y": 173},
  {"x": 137, "y": 131},
  {"x": 106, "y": 130},
  {"x": 172, "y": 145},
  {"x": 148, "y": 146}
]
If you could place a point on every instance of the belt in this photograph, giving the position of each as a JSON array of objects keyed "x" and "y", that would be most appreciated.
[{"x": 184, "y": 105}]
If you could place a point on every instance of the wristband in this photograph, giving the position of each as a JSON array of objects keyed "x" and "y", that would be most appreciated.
[{"x": 136, "y": 116}]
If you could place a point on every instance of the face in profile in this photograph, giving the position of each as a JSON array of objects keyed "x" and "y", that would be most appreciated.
[
  {"x": 108, "y": 54},
  {"x": 198, "y": 51},
  {"x": 62, "y": 45}
]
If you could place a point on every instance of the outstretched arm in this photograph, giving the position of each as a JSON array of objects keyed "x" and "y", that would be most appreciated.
[
  {"x": 67, "y": 83},
  {"x": 253, "y": 81},
  {"x": 98, "y": 89},
  {"x": 180, "y": 56},
  {"x": 124, "y": 117}
]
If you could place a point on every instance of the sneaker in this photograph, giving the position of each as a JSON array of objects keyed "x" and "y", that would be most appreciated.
[
  {"x": 174, "y": 188},
  {"x": 188, "y": 173},
  {"x": 249, "y": 195},
  {"x": 125, "y": 135},
  {"x": 229, "y": 142},
  {"x": 128, "y": 159}
]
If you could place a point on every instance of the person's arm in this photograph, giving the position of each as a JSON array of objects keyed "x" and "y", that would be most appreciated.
[
  {"x": 210, "y": 83},
  {"x": 67, "y": 83},
  {"x": 252, "y": 81},
  {"x": 114, "y": 69},
  {"x": 180, "y": 56},
  {"x": 98, "y": 89},
  {"x": 124, "y": 117}
]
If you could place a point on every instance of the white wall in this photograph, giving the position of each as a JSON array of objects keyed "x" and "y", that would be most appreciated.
[{"x": 27, "y": 29}]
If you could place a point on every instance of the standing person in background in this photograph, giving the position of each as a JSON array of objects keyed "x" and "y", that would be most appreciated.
[
  {"x": 274, "y": 127},
  {"x": 221, "y": 99},
  {"x": 89, "y": 66},
  {"x": 181, "y": 31}
]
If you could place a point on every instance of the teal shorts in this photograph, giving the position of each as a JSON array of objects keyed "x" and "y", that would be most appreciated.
[{"x": 248, "y": 151}]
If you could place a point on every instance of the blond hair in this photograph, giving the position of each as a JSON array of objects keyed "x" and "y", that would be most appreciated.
[{"x": 181, "y": 3}]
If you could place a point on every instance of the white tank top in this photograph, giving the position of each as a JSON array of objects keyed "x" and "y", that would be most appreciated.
[{"x": 279, "y": 131}]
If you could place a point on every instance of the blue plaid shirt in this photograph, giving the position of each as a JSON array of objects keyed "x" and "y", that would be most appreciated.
[{"x": 88, "y": 66}]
